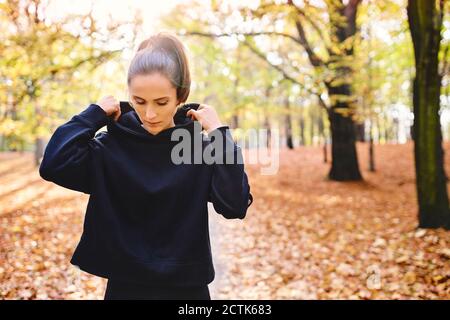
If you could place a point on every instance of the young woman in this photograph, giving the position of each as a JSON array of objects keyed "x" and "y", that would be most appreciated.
[{"x": 146, "y": 223}]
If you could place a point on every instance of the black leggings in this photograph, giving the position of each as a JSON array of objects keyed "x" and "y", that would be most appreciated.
[{"x": 119, "y": 290}]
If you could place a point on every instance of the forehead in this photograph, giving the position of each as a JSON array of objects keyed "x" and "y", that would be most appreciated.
[{"x": 151, "y": 86}]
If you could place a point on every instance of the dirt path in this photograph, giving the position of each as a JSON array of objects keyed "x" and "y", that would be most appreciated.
[{"x": 303, "y": 238}]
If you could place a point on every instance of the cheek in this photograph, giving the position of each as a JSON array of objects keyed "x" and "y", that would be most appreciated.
[
  {"x": 139, "y": 112},
  {"x": 170, "y": 111}
]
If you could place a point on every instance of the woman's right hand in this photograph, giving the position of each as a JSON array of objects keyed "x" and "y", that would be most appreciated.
[{"x": 111, "y": 106}]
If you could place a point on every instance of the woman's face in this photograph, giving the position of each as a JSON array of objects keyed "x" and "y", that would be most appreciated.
[{"x": 154, "y": 99}]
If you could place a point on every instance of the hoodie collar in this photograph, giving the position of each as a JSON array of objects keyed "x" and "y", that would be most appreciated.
[{"x": 129, "y": 125}]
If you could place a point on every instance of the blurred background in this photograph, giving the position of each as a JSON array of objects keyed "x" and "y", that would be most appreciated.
[{"x": 358, "y": 92}]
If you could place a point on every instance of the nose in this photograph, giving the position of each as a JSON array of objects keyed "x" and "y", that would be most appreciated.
[{"x": 150, "y": 114}]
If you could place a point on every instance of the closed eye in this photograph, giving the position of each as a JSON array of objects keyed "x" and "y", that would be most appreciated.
[{"x": 159, "y": 104}]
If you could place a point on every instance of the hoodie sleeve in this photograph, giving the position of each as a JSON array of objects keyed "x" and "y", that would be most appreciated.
[
  {"x": 230, "y": 190},
  {"x": 68, "y": 154}
]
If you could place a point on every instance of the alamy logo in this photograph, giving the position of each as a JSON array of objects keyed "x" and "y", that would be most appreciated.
[{"x": 222, "y": 149}]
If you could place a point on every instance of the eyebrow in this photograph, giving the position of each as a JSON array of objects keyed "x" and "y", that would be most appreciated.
[{"x": 153, "y": 99}]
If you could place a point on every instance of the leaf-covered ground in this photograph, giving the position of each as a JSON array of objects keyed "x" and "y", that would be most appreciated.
[{"x": 303, "y": 238}]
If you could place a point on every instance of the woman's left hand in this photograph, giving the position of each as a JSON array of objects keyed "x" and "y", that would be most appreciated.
[{"x": 207, "y": 116}]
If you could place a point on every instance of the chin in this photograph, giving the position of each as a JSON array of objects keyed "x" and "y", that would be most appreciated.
[{"x": 152, "y": 131}]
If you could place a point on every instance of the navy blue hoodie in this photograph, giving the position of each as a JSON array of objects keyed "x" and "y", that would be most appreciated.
[{"x": 147, "y": 218}]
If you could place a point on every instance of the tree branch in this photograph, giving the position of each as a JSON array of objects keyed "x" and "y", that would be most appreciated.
[
  {"x": 284, "y": 73},
  {"x": 313, "y": 58},
  {"x": 261, "y": 33},
  {"x": 313, "y": 24},
  {"x": 260, "y": 54}
]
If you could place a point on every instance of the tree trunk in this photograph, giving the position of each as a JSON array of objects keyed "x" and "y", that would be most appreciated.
[
  {"x": 377, "y": 117},
  {"x": 234, "y": 121},
  {"x": 425, "y": 22},
  {"x": 411, "y": 132},
  {"x": 2, "y": 143},
  {"x": 371, "y": 151},
  {"x": 312, "y": 126},
  {"x": 386, "y": 129},
  {"x": 360, "y": 132},
  {"x": 288, "y": 124},
  {"x": 302, "y": 130},
  {"x": 342, "y": 22},
  {"x": 396, "y": 130},
  {"x": 344, "y": 160},
  {"x": 268, "y": 130},
  {"x": 266, "y": 122},
  {"x": 323, "y": 138}
]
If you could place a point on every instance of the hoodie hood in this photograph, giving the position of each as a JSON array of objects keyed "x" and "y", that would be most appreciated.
[{"x": 129, "y": 124}]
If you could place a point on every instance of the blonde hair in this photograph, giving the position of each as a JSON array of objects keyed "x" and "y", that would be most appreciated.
[{"x": 163, "y": 53}]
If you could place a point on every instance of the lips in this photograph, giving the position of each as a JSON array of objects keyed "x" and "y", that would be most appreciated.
[{"x": 152, "y": 123}]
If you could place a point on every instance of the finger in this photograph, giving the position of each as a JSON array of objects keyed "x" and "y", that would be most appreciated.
[
  {"x": 192, "y": 113},
  {"x": 117, "y": 114}
]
